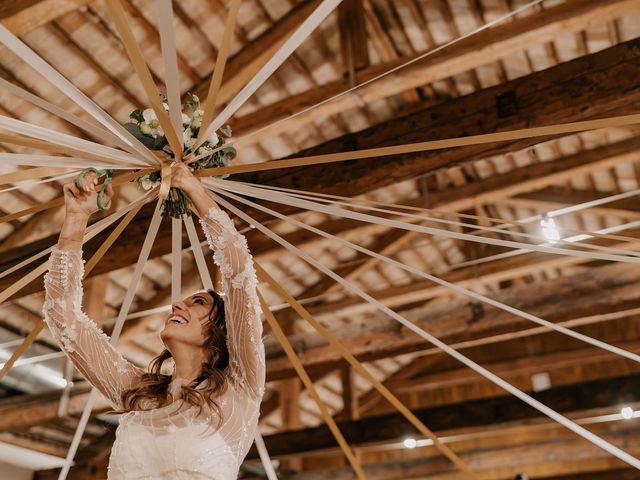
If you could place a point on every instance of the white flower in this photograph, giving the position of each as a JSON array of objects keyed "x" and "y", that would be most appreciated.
[
  {"x": 145, "y": 128},
  {"x": 147, "y": 183},
  {"x": 166, "y": 106},
  {"x": 149, "y": 115},
  {"x": 197, "y": 118},
  {"x": 190, "y": 143},
  {"x": 185, "y": 119},
  {"x": 213, "y": 139}
]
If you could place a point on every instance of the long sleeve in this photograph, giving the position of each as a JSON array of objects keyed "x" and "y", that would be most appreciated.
[
  {"x": 79, "y": 337},
  {"x": 244, "y": 328}
]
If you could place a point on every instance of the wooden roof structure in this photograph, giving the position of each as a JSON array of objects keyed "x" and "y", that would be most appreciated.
[{"x": 554, "y": 63}]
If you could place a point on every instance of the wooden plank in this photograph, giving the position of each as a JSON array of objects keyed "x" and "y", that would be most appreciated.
[
  {"x": 598, "y": 290},
  {"x": 243, "y": 66},
  {"x": 465, "y": 415},
  {"x": 480, "y": 49},
  {"x": 23, "y": 16},
  {"x": 589, "y": 87},
  {"x": 607, "y": 85}
]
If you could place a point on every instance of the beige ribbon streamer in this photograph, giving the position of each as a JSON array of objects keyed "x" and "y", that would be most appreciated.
[
  {"x": 137, "y": 60},
  {"x": 20, "y": 49},
  {"x": 218, "y": 72},
  {"x": 56, "y": 202},
  {"x": 302, "y": 32},
  {"x": 170, "y": 59},
  {"x": 104, "y": 135},
  {"x": 297, "y": 365},
  {"x": 31, "y": 174},
  {"x": 384, "y": 391},
  {"x": 549, "y": 130}
]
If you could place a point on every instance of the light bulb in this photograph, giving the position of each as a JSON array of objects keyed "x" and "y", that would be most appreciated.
[
  {"x": 549, "y": 229},
  {"x": 627, "y": 413},
  {"x": 410, "y": 443}
]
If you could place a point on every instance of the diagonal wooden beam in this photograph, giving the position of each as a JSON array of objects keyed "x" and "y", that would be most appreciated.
[
  {"x": 607, "y": 84},
  {"x": 23, "y": 16},
  {"x": 596, "y": 291},
  {"x": 475, "y": 51},
  {"x": 479, "y": 413},
  {"x": 242, "y": 66}
]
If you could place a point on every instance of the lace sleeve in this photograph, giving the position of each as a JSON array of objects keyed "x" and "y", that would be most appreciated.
[
  {"x": 244, "y": 328},
  {"x": 79, "y": 337}
]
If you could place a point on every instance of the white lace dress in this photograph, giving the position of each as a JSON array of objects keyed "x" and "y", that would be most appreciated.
[{"x": 174, "y": 441}]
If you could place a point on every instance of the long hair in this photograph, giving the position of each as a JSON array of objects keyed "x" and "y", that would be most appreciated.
[{"x": 153, "y": 387}]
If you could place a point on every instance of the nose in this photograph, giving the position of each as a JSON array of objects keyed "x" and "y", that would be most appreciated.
[{"x": 177, "y": 306}]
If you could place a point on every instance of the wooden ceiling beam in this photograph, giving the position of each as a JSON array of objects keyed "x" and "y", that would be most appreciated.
[
  {"x": 607, "y": 88},
  {"x": 468, "y": 54},
  {"x": 243, "y": 66},
  {"x": 597, "y": 290},
  {"x": 23, "y": 16},
  {"x": 465, "y": 415},
  {"x": 572, "y": 91},
  {"x": 22, "y": 412},
  {"x": 503, "y": 459}
]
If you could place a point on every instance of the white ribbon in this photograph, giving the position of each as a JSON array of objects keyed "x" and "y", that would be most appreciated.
[
  {"x": 58, "y": 138},
  {"x": 37, "y": 160},
  {"x": 452, "y": 286},
  {"x": 573, "y": 240},
  {"x": 584, "y": 433},
  {"x": 198, "y": 254},
  {"x": 104, "y": 135},
  {"x": 21, "y": 50},
  {"x": 303, "y": 31},
  {"x": 176, "y": 259},
  {"x": 284, "y": 199}
]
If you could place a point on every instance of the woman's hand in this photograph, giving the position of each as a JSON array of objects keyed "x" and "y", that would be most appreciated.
[
  {"x": 82, "y": 202},
  {"x": 184, "y": 179}
]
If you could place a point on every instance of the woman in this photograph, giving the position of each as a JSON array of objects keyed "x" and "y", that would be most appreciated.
[{"x": 199, "y": 422}]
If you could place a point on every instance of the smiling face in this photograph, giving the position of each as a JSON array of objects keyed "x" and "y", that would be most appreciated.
[{"x": 188, "y": 320}]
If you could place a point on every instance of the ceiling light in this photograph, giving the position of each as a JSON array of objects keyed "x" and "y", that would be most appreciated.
[
  {"x": 549, "y": 228},
  {"x": 410, "y": 443},
  {"x": 627, "y": 413}
]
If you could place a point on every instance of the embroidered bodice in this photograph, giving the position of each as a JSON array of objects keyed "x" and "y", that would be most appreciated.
[{"x": 175, "y": 441}]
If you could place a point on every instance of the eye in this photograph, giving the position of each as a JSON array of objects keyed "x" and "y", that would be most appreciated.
[{"x": 199, "y": 300}]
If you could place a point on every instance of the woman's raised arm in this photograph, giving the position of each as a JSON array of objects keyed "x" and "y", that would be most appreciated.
[
  {"x": 79, "y": 337},
  {"x": 231, "y": 254}
]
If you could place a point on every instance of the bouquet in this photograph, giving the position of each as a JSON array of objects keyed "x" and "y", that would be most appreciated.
[{"x": 144, "y": 125}]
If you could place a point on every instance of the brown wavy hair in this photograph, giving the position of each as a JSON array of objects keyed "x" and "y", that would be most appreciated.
[{"x": 152, "y": 389}]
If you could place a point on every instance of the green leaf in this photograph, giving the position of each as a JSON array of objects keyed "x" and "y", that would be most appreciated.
[{"x": 137, "y": 115}]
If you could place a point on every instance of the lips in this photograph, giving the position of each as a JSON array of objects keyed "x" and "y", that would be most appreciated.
[{"x": 177, "y": 320}]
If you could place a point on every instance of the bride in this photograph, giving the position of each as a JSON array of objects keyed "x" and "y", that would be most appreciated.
[{"x": 199, "y": 422}]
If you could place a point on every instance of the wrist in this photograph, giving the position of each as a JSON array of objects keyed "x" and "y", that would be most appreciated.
[{"x": 77, "y": 217}]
